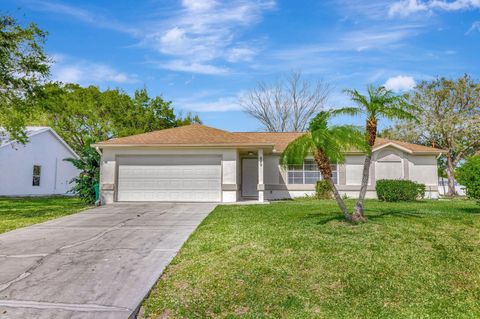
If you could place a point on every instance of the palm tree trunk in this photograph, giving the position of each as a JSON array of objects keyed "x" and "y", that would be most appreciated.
[
  {"x": 371, "y": 128},
  {"x": 363, "y": 188},
  {"x": 326, "y": 169}
]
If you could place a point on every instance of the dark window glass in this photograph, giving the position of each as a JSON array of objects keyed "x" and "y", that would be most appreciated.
[{"x": 36, "y": 175}]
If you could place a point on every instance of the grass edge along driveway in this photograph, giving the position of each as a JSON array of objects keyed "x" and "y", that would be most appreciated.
[
  {"x": 298, "y": 259},
  {"x": 16, "y": 212}
]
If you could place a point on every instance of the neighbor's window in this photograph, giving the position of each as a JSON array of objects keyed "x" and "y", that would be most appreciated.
[
  {"x": 307, "y": 173},
  {"x": 36, "y": 175}
]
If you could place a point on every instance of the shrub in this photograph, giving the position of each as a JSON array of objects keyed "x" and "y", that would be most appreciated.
[
  {"x": 323, "y": 190},
  {"x": 89, "y": 166},
  {"x": 468, "y": 175},
  {"x": 392, "y": 190}
]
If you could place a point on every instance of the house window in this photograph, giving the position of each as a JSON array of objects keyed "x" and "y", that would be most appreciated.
[
  {"x": 307, "y": 173},
  {"x": 36, "y": 175}
]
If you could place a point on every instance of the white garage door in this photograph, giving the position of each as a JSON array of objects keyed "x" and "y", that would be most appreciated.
[{"x": 169, "y": 178}]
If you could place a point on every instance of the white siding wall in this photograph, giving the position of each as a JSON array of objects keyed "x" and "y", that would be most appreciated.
[{"x": 44, "y": 149}]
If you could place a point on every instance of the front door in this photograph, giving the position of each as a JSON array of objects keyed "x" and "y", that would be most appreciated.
[{"x": 249, "y": 177}]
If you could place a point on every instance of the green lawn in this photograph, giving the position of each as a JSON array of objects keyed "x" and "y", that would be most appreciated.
[
  {"x": 21, "y": 212},
  {"x": 298, "y": 259}
]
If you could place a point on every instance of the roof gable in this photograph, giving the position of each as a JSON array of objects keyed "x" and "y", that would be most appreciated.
[{"x": 36, "y": 130}]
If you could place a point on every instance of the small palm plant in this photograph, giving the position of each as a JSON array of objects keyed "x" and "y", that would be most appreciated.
[
  {"x": 327, "y": 144},
  {"x": 379, "y": 103}
]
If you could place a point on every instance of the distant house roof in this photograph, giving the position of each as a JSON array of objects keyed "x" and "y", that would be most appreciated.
[
  {"x": 201, "y": 135},
  {"x": 32, "y": 131}
]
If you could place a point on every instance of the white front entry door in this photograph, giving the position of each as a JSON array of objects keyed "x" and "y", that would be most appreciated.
[
  {"x": 249, "y": 177},
  {"x": 169, "y": 178}
]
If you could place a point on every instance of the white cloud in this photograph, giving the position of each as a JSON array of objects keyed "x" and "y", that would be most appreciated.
[
  {"x": 209, "y": 101},
  {"x": 475, "y": 27},
  {"x": 400, "y": 83},
  {"x": 200, "y": 68},
  {"x": 67, "y": 70},
  {"x": 195, "y": 5},
  {"x": 204, "y": 33},
  {"x": 223, "y": 104},
  {"x": 196, "y": 37},
  {"x": 83, "y": 15},
  {"x": 405, "y": 8},
  {"x": 240, "y": 54}
]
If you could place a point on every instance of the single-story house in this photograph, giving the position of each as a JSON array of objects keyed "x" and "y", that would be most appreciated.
[
  {"x": 196, "y": 163},
  {"x": 36, "y": 168}
]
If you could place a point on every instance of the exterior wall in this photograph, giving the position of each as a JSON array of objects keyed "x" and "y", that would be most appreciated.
[
  {"x": 386, "y": 163},
  {"x": 108, "y": 168},
  {"x": 44, "y": 149}
]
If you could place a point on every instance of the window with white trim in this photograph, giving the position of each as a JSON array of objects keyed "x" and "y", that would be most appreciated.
[
  {"x": 307, "y": 173},
  {"x": 36, "y": 175}
]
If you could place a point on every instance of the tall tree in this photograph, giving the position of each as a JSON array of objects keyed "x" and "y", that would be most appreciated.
[
  {"x": 327, "y": 144},
  {"x": 82, "y": 115},
  {"x": 448, "y": 118},
  {"x": 378, "y": 103},
  {"x": 287, "y": 105},
  {"x": 23, "y": 68}
]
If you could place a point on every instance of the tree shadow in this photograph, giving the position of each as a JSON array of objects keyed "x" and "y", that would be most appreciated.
[{"x": 470, "y": 210}]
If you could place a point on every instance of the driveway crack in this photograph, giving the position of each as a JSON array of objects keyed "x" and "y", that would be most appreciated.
[{"x": 43, "y": 258}]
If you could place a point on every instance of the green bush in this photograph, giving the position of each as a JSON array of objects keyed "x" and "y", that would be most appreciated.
[
  {"x": 393, "y": 190},
  {"x": 89, "y": 166},
  {"x": 323, "y": 190},
  {"x": 468, "y": 175}
]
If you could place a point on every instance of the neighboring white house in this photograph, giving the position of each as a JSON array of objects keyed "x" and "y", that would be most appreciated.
[
  {"x": 198, "y": 163},
  {"x": 38, "y": 167}
]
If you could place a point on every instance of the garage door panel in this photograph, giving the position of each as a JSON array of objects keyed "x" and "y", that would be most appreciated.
[{"x": 169, "y": 179}]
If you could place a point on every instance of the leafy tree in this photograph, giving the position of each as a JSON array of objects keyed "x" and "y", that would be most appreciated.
[
  {"x": 89, "y": 165},
  {"x": 469, "y": 176},
  {"x": 82, "y": 115},
  {"x": 448, "y": 118},
  {"x": 327, "y": 144},
  {"x": 377, "y": 104},
  {"x": 23, "y": 68}
]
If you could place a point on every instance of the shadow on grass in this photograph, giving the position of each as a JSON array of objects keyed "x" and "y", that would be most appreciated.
[
  {"x": 470, "y": 210},
  {"x": 371, "y": 215}
]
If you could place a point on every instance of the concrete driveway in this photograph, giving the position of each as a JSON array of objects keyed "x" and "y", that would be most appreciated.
[{"x": 100, "y": 263}]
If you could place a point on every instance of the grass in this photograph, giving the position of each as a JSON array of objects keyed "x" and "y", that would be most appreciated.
[
  {"x": 299, "y": 259},
  {"x": 21, "y": 212}
]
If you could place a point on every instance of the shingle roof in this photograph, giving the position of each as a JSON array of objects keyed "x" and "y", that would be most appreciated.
[
  {"x": 201, "y": 135},
  {"x": 280, "y": 139},
  {"x": 194, "y": 134}
]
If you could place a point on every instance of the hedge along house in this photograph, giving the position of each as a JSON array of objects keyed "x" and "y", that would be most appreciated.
[{"x": 196, "y": 163}]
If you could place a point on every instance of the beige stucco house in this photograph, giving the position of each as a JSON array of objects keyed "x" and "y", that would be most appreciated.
[{"x": 196, "y": 163}]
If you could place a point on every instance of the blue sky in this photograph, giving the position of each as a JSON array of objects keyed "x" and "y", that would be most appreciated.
[{"x": 203, "y": 55}]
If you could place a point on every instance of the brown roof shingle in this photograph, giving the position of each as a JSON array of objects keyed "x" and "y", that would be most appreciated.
[
  {"x": 201, "y": 135},
  {"x": 194, "y": 134}
]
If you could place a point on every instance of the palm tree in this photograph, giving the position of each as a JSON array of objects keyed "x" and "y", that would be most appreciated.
[
  {"x": 327, "y": 144},
  {"x": 379, "y": 103}
]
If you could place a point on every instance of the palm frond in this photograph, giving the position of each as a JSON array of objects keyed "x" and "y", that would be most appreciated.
[
  {"x": 346, "y": 111},
  {"x": 347, "y": 138},
  {"x": 297, "y": 150}
]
